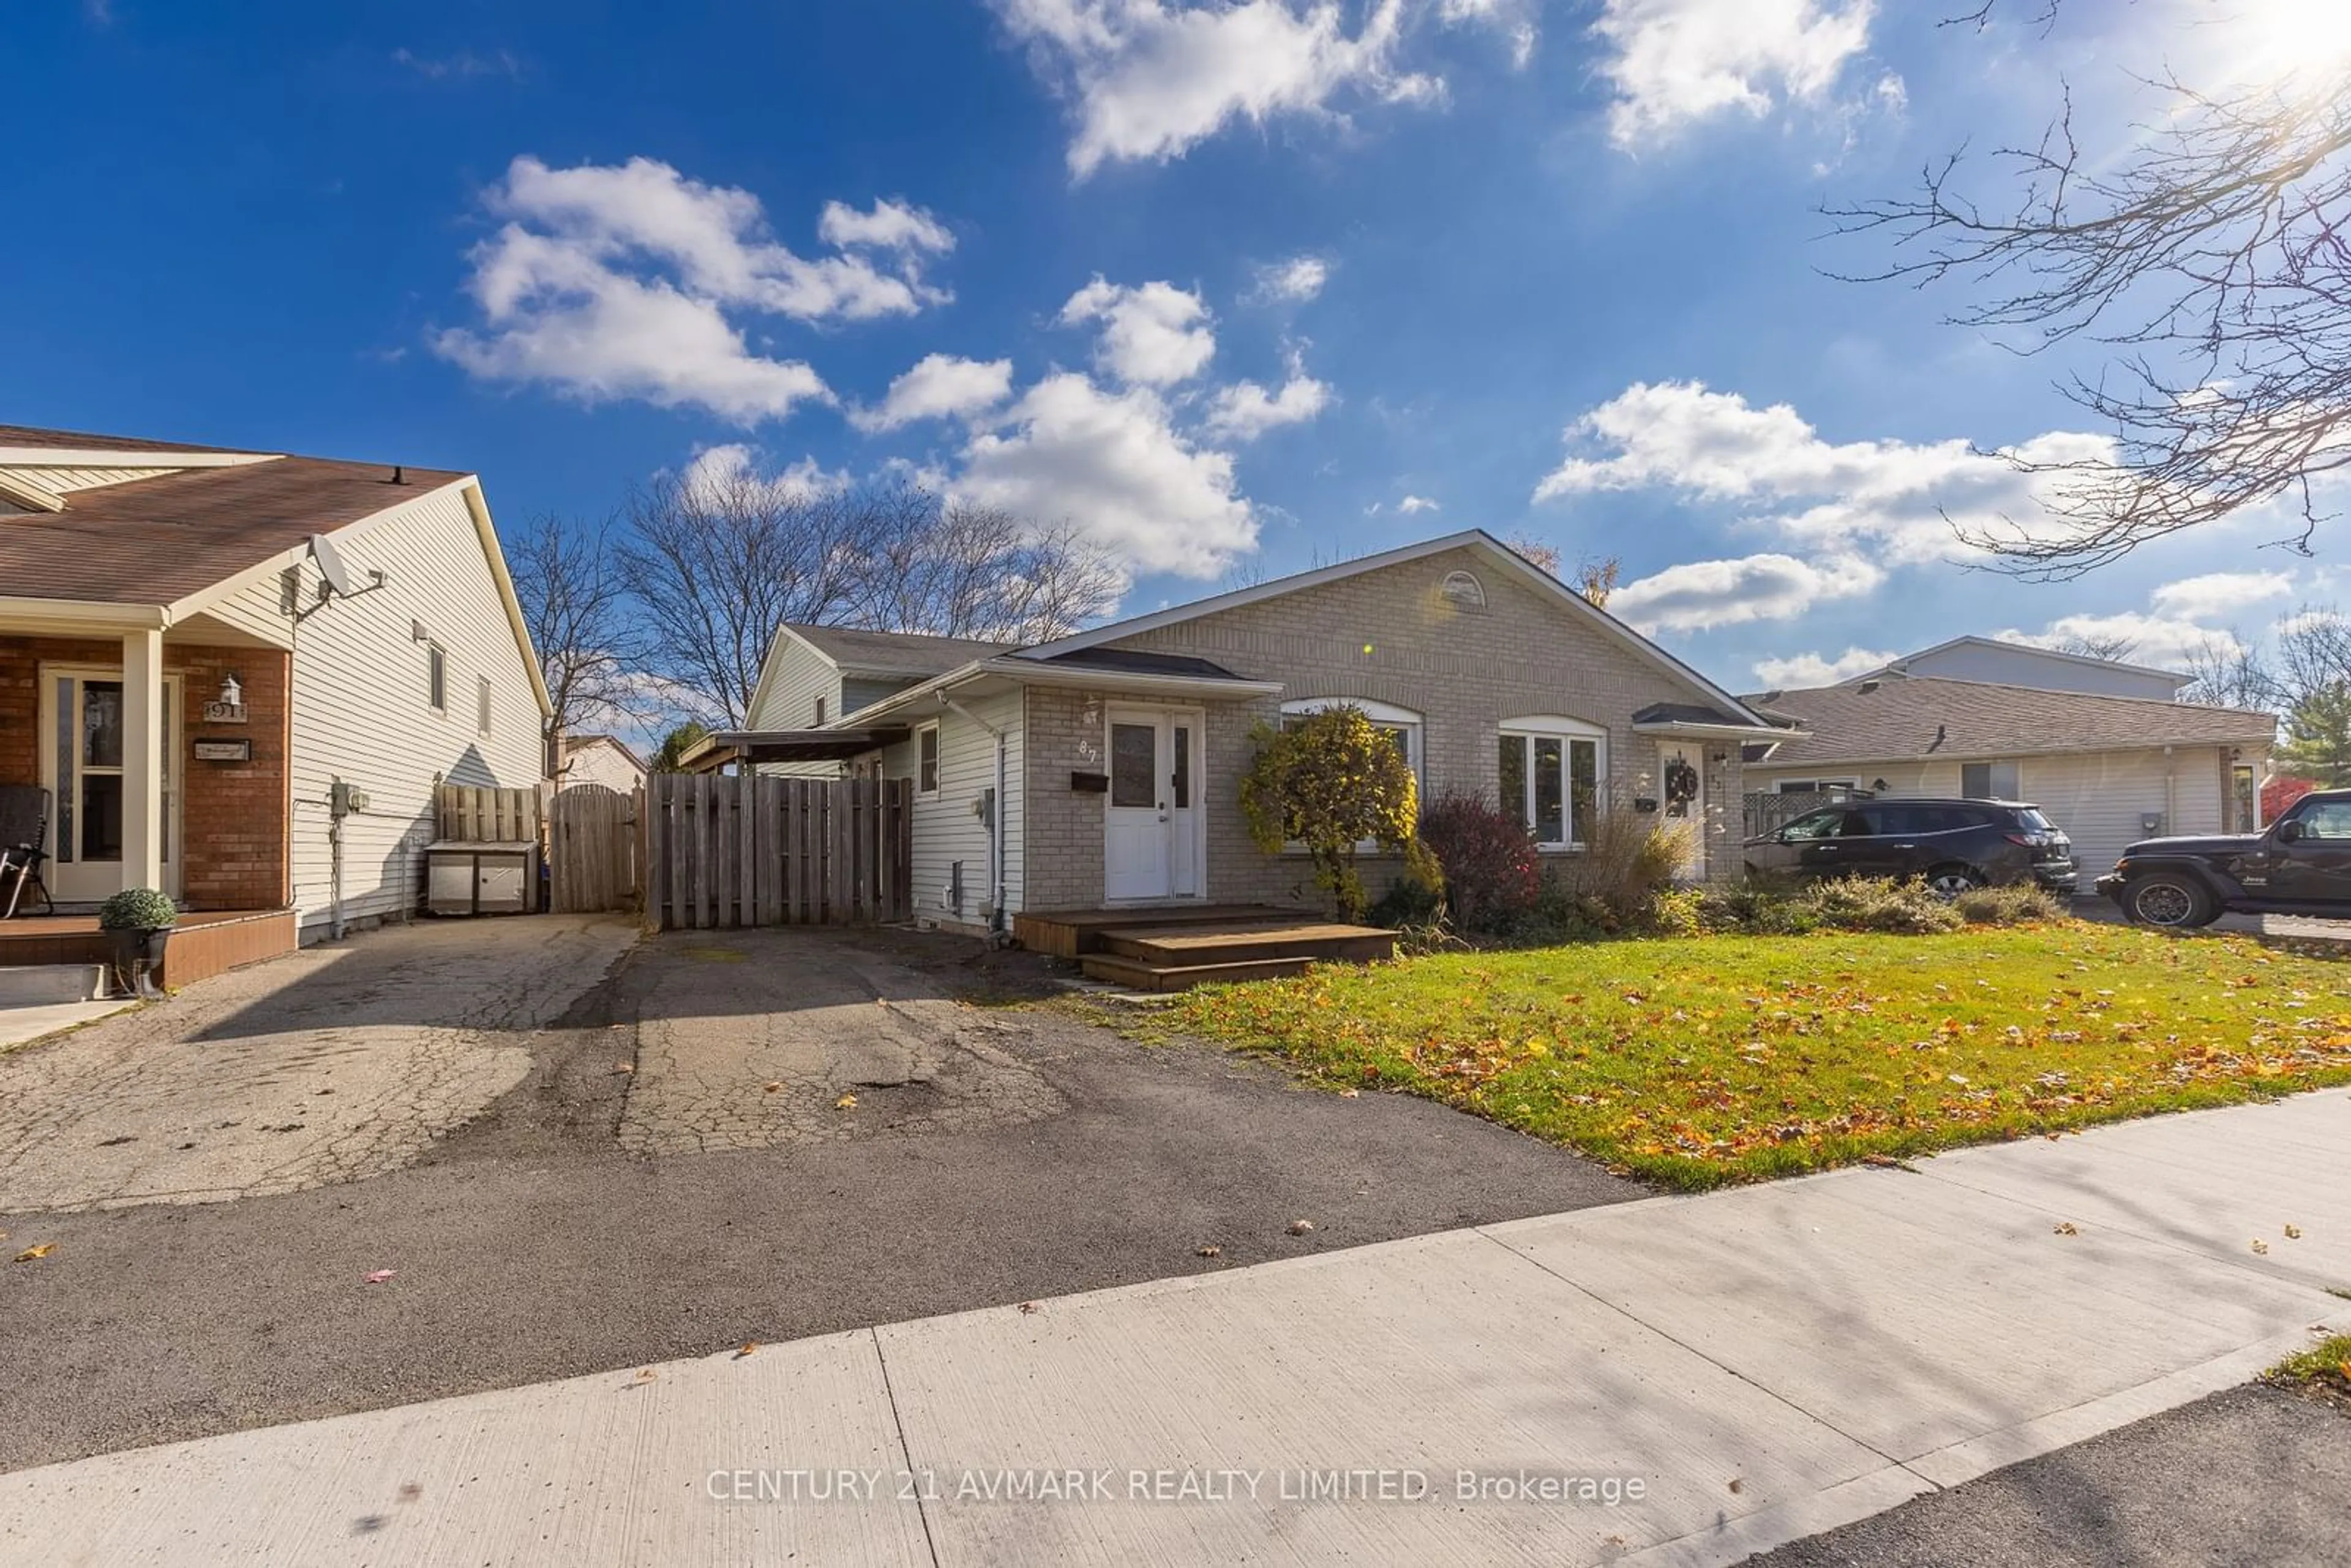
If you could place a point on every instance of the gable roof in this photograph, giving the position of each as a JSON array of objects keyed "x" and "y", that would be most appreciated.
[
  {"x": 575, "y": 743},
  {"x": 860, "y": 651},
  {"x": 1971, "y": 640},
  {"x": 1476, "y": 539},
  {"x": 159, "y": 540},
  {"x": 1923, "y": 717},
  {"x": 197, "y": 524}
]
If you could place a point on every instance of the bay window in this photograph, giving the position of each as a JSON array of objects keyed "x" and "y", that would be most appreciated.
[{"x": 1550, "y": 770}]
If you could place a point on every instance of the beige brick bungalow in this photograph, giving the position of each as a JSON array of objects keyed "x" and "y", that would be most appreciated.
[{"x": 1104, "y": 770}]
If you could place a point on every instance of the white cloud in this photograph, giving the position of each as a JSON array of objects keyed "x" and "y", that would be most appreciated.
[
  {"x": 1675, "y": 62},
  {"x": 1705, "y": 593},
  {"x": 1113, "y": 465},
  {"x": 1908, "y": 501},
  {"x": 1294, "y": 281},
  {"x": 1412, "y": 504},
  {"x": 733, "y": 467},
  {"x": 2219, "y": 594},
  {"x": 1245, "y": 411},
  {"x": 940, "y": 386},
  {"x": 1803, "y": 671},
  {"x": 891, "y": 225},
  {"x": 1514, "y": 19},
  {"x": 1155, "y": 335},
  {"x": 627, "y": 280},
  {"x": 2162, "y": 641},
  {"x": 1149, "y": 78}
]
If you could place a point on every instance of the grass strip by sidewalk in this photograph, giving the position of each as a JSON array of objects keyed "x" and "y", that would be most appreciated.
[{"x": 1695, "y": 1062}]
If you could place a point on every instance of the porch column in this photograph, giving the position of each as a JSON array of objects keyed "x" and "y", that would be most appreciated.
[{"x": 142, "y": 758}]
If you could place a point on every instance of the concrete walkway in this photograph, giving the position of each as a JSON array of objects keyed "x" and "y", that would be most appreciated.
[{"x": 1700, "y": 1377}]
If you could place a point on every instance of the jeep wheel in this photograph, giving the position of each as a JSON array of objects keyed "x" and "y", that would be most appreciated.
[
  {"x": 1951, "y": 880},
  {"x": 2170, "y": 901}
]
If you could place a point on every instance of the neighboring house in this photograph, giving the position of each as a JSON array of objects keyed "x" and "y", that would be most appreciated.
[
  {"x": 197, "y": 645},
  {"x": 816, "y": 676},
  {"x": 2107, "y": 769},
  {"x": 1104, "y": 769},
  {"x": 604, "y": 759},
  {"x": 2045, "y": 669}
]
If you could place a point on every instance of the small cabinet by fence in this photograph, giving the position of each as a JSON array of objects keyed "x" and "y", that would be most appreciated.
[{"x": 481, "y": 878}]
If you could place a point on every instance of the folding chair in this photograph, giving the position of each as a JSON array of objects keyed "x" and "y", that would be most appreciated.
[{"x": 23, "y": 827}]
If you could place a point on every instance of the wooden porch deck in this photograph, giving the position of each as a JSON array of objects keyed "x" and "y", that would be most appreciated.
[
  {"x": 205, "y": 942},
  {"x": 1173, "y": 947}
]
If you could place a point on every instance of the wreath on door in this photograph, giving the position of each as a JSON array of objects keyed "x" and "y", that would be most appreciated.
[{"x": 1681, "y": 782}]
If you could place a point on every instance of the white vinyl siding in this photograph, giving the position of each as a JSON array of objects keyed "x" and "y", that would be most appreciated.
[
  {"x": 2101, "y": 799},
  {"x": 799, "y": 676},
  {"x": 948, "y": 828},
  {"x": 360, "y": 714}
]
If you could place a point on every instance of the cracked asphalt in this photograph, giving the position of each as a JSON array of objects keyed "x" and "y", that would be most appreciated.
[{"x": 577, "y": 1151}]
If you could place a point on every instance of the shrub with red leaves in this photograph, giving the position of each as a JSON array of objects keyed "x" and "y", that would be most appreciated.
[{"x": 1491, "y": 872}]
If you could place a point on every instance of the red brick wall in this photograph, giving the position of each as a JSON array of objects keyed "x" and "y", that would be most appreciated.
[{"x": 232, "y": 841}]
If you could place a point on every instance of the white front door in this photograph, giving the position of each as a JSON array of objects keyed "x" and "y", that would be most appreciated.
[
  {"x": 81, "y": 767},
  {"x": 1151, "y": 839}
]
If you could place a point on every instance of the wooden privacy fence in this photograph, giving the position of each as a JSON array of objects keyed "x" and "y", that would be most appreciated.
[
  {"x": 593, "y": 849},
  {"x": 723, "y": 850},
  {"x": 474, "y": 814}
]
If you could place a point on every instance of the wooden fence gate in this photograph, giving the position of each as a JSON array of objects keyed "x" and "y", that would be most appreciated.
[
  {"x": 593, "y": 849},
  {"x": 723, "y": 851}
]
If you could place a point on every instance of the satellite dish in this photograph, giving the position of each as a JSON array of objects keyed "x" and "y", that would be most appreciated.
[{"x": 330, "y": 564}]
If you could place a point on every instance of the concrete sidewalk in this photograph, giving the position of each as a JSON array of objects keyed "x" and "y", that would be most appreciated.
[{"x": 1764, "y": 1363}]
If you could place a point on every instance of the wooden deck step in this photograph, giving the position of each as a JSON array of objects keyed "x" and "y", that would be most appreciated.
[
  {"x": 1247, "y": 941},
  {"x": 1142, "y": 976}
]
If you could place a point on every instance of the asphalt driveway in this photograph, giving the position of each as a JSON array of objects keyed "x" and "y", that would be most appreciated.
[{"x": 617, "y": 1152}]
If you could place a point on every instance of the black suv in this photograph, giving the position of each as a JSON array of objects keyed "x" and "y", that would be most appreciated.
[
  {"x": 2300, "y": 865},
  {"x": 1953, "y": 844}
]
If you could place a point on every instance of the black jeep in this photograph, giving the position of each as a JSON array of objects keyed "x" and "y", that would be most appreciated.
[{"x": 2300, "y": 865}]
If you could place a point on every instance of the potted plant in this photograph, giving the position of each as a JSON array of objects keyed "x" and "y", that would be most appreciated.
[{"x": 141, "y": 919}]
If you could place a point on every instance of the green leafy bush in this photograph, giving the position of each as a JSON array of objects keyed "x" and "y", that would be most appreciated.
[
  {"x": 1334, "y": 781},
  {"x": 136, "y": 909},
  {"x": 1411, "y": 900}
]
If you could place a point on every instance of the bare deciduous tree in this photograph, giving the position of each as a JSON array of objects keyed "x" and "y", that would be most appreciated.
[
  {"x": 578, "y": 613},
  {"x": 954, "y": 569},
  {"x": 2112, "y": 646},
  {"x": 719, "y": 562},
  {"x": 1595, "y": 578},
  {"x": 2226, "y": 672},
  {"x": 2210, "y": 258}
]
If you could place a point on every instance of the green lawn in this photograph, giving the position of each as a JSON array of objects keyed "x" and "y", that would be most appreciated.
[{"x": 1695, "y": 1062}]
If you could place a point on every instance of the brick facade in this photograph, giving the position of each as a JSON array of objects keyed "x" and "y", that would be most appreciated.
[
  {"x": 231, "y": 838},
  {"x": 1390, "y": 635}
]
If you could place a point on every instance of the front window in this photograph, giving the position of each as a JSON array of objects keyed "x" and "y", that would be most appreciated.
[
  {"x": 1550, "y": 771},
  {"x": 927, "y": 759},
  {"x": 1989, "y": 780},
  {"x": 1400, "y": 725},
  {"x": 436, "y": 678}
]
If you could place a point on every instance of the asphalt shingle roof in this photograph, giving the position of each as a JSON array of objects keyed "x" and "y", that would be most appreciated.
[
  {"x": 156, "y": 541},
  {"x": 1898, "y": 718},
  {"x": 896, "y": 653}
]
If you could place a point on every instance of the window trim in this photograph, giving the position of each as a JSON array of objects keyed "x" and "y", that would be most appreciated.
[
  {"x": 436, "y": 678},
  {"x": 1531, "y": 727},
  {"x": 1463, "y": 591},
  {"x": 482, "y": 705},
  {"x": 938, "y": 760}
]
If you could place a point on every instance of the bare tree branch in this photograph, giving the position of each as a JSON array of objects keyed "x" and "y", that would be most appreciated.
[
  {"x": 577, "y": 611},
  {"x": 2215, "y": 261}
]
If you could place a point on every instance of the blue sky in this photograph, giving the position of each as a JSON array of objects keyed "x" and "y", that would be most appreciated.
[{"x": 1238, "y": 288}]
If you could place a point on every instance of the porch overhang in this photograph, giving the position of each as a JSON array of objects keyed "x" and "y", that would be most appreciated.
[
  {"x": 753, "y": 747},
  {"x": 984, "y": 677},
  {"x": 1692, "y": 721}
]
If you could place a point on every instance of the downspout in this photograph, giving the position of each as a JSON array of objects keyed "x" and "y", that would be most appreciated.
[{"x": 996, "y": 855}]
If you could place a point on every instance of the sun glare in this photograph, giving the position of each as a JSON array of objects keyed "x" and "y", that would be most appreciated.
[{"x": 2274, "y": 40}]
